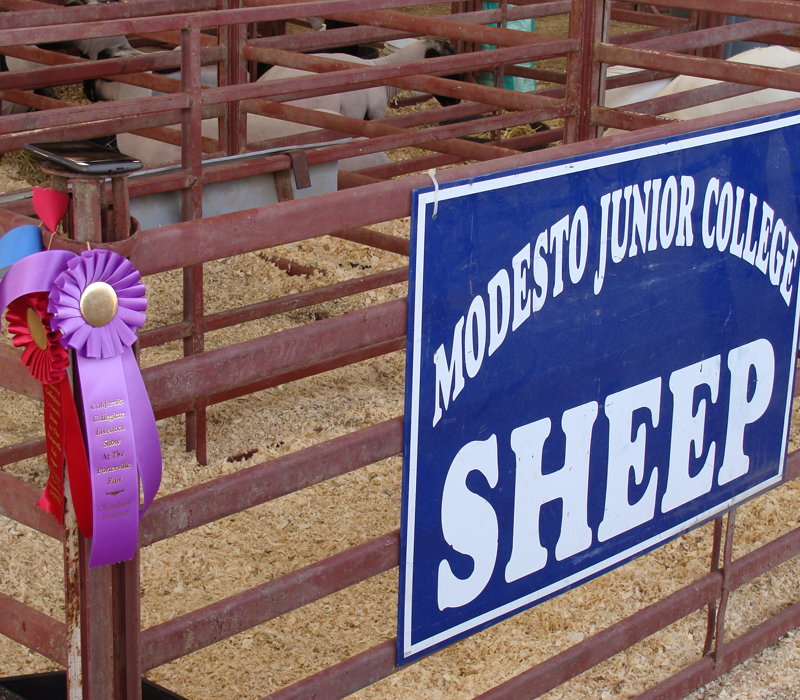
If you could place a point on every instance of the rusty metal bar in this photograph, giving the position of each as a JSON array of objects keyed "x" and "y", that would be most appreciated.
[
  {"x": 290, "y": 302},
  {"x": 583, "y": 74},
  {"x": 84, "y": 131},
  {"x": 360, "y": 127},
  {"x": 376, "y": 239},
  {"x": 424, "y": 163},
  {"x": 72, "y": 601},
  {"x": 101, "y": 111},
  {"x": 26, "y": 13},
  {"x": 192, "y": 209},
  {"x": 448, "y": 28},
  {"x": 97, "y": 638},
  {"x": 15, "y": 375},
  {"x": 126, "y": 623},
  {"x": 334, "y": 38},
  {"x": 18, "y": 502},
  {"x": 65, "y": 69},
  {"x": 737, "y": 651},
  {"x": 344, "y": 678},
  {"x": 719, "y": 631},
  {"x": 711, "y": 617},
  {"x": 69, "y": 31},
  {"x": 377, "y": 663},
  {"x": 622, "y": 15},
  {"x": 22, "y": 450},
  {"x": 233, "y": 493},
  {"x": 292, "y": 375},
  {"x": 36, "y": 630},
  {"x": 420, "y": 76},
  {"x": 260, "y": 358},
  {"x": 624, "y": 119},
  {"x": 778, "y": 78},
  {"x": 213, "y": 623},
  {"x": 431, "y": 138},
  {"x": 711, "y": 37},
  {"x": 255, "y": 229}
]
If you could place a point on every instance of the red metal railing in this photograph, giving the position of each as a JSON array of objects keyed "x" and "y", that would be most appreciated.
[{"x": 106, "y": 637}]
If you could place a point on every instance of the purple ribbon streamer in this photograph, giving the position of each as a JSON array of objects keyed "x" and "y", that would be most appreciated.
[
  {"x": 111, "y": 448},
  {"x": 148, "y": 444},
  {"x": 122, "y": 439},
  {"x": 34, "y": 273}
]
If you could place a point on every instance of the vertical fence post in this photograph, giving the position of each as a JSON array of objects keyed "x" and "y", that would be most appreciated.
[
  {"x": 712, "y": 606},
  {"x": 719, "y": 646},
  {"x": 102, "y": 604},
  {"x": 234, "y": 36},
  {"x": 588, "y": 23},
  {"x": 87, "y": 592},
  {"x": 192, "y": 208}
]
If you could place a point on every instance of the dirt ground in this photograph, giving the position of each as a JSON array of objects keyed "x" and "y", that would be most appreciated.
[{"x": 237, "y": 553}]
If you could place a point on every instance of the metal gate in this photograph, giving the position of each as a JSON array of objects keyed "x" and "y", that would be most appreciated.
[{"x": 101, "y": 643}]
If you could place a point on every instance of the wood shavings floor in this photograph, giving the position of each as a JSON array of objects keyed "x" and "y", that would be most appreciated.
[{"x": 220, "y": 559}]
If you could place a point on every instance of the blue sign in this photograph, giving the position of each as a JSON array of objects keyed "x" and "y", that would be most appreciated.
[{"x": 601, "y": 357}]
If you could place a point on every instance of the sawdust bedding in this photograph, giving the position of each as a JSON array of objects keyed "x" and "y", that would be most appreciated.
[{"x": 237, "y": 553}]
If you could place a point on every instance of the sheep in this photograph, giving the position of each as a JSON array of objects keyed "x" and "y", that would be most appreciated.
[
  {"x": 9, "y": 63},
  {"x": 769, "y": 56},
  {"x": 368, "y": 103},
  {"x": 93, "y": 48},
  {"x": 259, "y": 128},
  {"x": 630, "y": 94},
  {"x": 102, "y": 46}
]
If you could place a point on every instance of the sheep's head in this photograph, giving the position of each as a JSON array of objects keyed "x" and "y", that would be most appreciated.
[{"x": 436, "y": 48}]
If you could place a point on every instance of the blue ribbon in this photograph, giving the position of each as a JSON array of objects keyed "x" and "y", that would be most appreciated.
[{"x": 19, "y": 243}]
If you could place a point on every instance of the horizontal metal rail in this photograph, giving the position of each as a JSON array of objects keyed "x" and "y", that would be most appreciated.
[
  {"x": 233, "y": 493},
  {"x": 185, "y": 244},
  {"x": 258, "y": 359},
  {"x": 70, "y": 31},
  {"x": 33, "y": 628},
  {"x": 745, "y": 73},
  {"x": 22, "y": 450},
  {"x": 289, "y": 302},
  {"x": 377, "y": 663},
  {"x": 201, "y": 628},
  {"x": 18, "y": 502}
]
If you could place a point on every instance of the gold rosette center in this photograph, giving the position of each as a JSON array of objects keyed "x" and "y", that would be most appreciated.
[
  {"x": 37, "y": 329},
  {"x": 98, "y": 304}
]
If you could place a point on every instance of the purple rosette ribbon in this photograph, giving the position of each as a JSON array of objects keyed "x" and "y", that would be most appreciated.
[{"x": 97, "y": 302}]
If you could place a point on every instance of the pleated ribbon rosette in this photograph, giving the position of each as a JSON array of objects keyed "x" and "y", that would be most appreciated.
[{"x": 95, "y": 302}]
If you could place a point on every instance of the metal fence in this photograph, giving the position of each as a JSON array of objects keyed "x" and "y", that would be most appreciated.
[{"x": 102, "y": 644}]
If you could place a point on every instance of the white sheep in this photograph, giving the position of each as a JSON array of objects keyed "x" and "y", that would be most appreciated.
[
  {"x": 367, "y": 103},
  {"x": 630, "y": 94},
  {"x": 154, "y": 153},
  {"x": 768, "y": 56}
]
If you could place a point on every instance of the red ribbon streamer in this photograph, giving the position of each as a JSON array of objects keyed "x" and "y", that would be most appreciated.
[{"x": 63, "y": 435}]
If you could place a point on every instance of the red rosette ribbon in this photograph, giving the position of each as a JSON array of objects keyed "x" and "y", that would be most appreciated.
[{"x": 47, "y": 361}]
